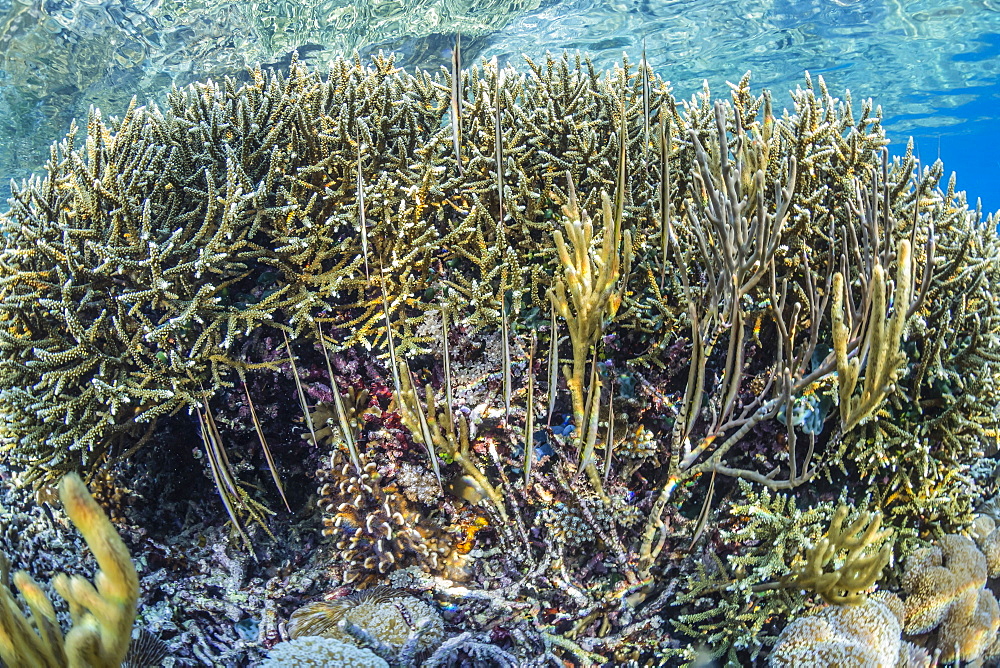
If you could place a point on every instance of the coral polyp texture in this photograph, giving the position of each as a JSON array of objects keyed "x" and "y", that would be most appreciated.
[
  {"x": 591, "y": 367},
  {"x": 319, "y": 652},
  {"x": 389, "y": 615},
  {"x": 947, "y": 594},
  {"x": 864, "y": 634}
]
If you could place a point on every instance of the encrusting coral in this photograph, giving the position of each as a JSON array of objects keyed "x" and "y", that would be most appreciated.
[
  {"x": 390, "y": 616},
  {"x": 102, "y": 613},
  {"x": 319, "y": 652},
  {"x": 764, "y": 298}
]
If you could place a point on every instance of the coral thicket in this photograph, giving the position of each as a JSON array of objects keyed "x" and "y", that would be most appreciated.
[{"x": 595, "y": 365}]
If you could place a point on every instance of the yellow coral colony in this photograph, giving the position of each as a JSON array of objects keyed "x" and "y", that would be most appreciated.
[
  {"x": 102, "y": 615},
  {"x": 859, "y": 571},
  {"x": 882, "y": 341}
]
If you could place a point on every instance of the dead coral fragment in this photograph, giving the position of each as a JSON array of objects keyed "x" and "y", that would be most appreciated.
[
  {"x": 859, "y": 570},
  {"x": 102, "y": 615}
]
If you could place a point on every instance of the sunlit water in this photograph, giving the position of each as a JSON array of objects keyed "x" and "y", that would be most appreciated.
[{"x": 934, "y": 67}]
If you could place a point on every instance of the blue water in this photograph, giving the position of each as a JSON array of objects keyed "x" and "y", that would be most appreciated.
[{"x": 933, "y": 66}]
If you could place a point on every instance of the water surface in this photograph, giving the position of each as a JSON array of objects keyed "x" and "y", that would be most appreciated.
[{"x": 934, "y": 67}]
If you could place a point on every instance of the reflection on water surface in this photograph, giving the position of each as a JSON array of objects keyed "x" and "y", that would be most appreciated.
[{"x": 933, "y": 66}]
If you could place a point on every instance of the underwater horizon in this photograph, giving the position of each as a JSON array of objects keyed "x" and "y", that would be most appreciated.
[{"x": 527, "y": 333}]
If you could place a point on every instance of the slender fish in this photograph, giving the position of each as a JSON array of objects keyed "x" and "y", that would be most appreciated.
[
  {"x": 645, "y": 102},
  {"x": 361, "y": 215},
  {"x": 498, "y": 146},
  {"x": 456, "y": 99}
]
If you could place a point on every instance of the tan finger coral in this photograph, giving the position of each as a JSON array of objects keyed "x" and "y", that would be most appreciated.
[
  {"x": 102, "y": 613},
  {"x": 866, "y": 634}
]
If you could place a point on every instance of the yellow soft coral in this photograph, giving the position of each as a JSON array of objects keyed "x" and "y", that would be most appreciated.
[
  {"x": 860, "y": 568},
  {"x": 102, "y": 615}
]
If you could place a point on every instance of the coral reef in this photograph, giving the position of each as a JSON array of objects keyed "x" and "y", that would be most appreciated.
[
  {"x": 857, "y": 572},
  {"x": 606, "y": 438},
  {"x": 947, "y": 613},
  {"x": 389, "y": 615},
  {"x": 946, "y": 587},
  {"x": 377, "y": 531},
  {"x": 862, "y": 634}
]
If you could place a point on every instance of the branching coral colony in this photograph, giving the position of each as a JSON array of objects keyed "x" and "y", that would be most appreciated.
[{"x": 765, "y": 314}]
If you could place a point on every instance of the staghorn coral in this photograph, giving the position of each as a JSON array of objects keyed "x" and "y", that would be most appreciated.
[
  {"x": 283, "y": 247},
  {"x": 102, "y": 615},
  {"x": 733, "y": 596},
  {"x": 136, "y": 275}
]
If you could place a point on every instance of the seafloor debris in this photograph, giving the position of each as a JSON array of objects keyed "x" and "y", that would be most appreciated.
[{"x": 608, "y": 447}]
